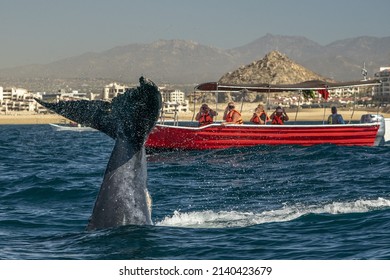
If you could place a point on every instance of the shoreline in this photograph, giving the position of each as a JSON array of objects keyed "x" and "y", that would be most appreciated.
[
  {"x": 33, "y": 118},
  {"x": 303, "y": 115}
]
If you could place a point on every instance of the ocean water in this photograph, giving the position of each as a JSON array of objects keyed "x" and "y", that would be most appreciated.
[{"x": 285, "y": 202}]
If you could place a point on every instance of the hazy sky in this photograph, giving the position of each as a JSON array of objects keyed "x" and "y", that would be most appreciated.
[{"x": 42, "y": 31}]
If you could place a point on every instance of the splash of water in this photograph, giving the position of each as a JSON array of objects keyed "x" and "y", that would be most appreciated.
[{"x": 225, "y": 219}]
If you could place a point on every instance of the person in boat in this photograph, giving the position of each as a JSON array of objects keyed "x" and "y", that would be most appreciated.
[
  {"x": 231, "y": 115},
  {"x": 259, "y": 116},
  {"x": 335, "y": 118},
  {"x": 279, "y": 116},
  {"x": 205, "y": 115}
]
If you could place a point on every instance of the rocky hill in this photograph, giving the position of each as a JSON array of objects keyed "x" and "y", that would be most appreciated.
[{"x": 274, "y": 68}]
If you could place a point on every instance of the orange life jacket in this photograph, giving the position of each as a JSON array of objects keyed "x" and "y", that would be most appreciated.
[
  {"x": 205, "y": 119},
  {"x": 256, "y": 119},
  {"x": 229, "y": 117},
  {"x": 278, "y": 119}
]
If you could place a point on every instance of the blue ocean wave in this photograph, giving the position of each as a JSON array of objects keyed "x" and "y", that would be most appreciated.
[{"x": 267, "y": 202}]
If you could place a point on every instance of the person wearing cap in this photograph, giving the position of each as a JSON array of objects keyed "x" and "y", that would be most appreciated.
[
  {"x": 205, "y": 115},
  {"x": 279, "y": 116},
  {"x": 335, "y": 118},
  {"x": 259, "y": 116},
  {"x": 231, "y": 115}
]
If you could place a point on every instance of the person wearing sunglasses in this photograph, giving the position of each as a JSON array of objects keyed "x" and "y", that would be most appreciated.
[{"x": 231, "y": 115}]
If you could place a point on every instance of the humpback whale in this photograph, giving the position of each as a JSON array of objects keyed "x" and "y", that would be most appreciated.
[{"x": 123, "y": 198}]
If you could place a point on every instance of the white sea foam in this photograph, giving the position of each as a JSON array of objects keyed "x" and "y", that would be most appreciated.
[{"x": 223, "y": 219}]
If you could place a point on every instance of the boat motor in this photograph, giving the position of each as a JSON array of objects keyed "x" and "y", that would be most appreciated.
[{"x": 370, "y": 118}]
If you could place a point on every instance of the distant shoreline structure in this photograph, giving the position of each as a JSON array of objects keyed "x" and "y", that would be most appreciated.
[{"x": 316, "y": 114}]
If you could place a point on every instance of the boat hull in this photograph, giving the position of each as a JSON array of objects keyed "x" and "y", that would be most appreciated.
[
  {"x": 216, "y": 136},
  {"x": 60, "y": 127}
]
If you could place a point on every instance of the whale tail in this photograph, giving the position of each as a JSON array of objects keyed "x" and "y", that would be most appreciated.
[
  {"x": 123, "y": 197},
  {"x": 143, "y": 101}
]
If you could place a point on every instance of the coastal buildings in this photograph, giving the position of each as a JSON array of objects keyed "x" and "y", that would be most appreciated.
[
  {"x": 175, "y": 101},
  {"x": 16, "y": 99},
  {"x": 65, "y": 95},
  {"x": 19, "y": 99},
  {"x": 172, "y": 100},
  {"x": 382, "y": 92},
  {"x": 112, "y": 90}
]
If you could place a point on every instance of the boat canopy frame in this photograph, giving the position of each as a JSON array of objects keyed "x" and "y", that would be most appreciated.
[
  {"x": 307, "y": 85},
  {"x": 310, "y": 85}
]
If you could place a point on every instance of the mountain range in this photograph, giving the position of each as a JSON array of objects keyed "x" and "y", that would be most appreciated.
[{"x": 187, "y": 62}]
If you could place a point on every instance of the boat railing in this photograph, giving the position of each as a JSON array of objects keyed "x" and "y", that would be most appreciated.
[{"x": 169, "y": 114}]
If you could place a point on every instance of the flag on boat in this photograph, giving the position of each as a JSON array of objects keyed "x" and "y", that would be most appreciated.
[{"x": 324, "y": 93}]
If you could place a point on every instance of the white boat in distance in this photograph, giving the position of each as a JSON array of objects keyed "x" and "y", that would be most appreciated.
[
  {"x": 71, "y": 127},
  {"x": 387, "y": 131}
]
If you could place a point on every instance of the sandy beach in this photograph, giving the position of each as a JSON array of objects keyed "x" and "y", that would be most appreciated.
[
  {"x": 303, "y": 115},
  {"x": 29, "y": 118}
]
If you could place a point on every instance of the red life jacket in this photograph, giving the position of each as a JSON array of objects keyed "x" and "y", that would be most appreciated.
[
  {"x": 205, "y": 119},
  {"x": 229, "y": 117},
  {"x": 256, "y": 119},
  {"x": 278, "y": 119}
]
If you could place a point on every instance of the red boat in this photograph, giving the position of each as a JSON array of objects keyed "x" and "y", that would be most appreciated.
[{"x": 217, "y": 136}]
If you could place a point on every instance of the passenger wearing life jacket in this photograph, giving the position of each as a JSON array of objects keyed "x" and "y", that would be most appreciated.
[
  {"x": 279, "y": 116},
  {"x": 335, "y": 118},
  {"x": 259, "y": 116},
  {"x": 205, "y": 115},
  {"x": 231, "y": 116}
]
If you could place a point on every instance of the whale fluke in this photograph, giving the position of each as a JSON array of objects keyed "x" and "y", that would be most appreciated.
[{"x": 123, "y": 197}]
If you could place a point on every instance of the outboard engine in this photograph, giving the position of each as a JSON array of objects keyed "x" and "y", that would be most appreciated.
[{"x": 370, "y": 118}]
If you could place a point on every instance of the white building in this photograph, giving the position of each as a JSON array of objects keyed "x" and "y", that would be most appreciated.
[
  {"x": 175, "y": 102},
  {"x": 348, "y": 91},
  {"x": 112, "y": 90},
  {"x": 13, "y": 93},
  {"x": 72, "y": 95},
  {"x": 16, "y": 99},
  {"x": 177, "y": 96},
  {"x": 384, "y": 89}
]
